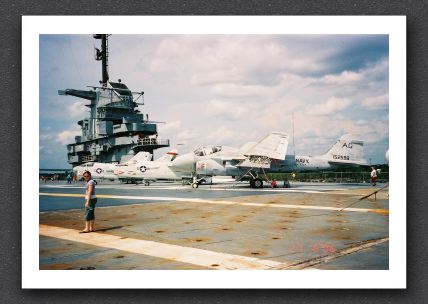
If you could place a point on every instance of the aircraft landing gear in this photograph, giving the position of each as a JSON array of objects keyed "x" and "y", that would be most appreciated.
[
  {"x": 195, "y": 182},
  {"x": 256, "y": 183}
]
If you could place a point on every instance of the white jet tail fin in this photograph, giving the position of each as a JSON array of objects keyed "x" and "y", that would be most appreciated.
[
  {"x": 273, "y": 146},
  {"x": 168, "y": 157},
  {"x": 347, "y": 150},
  {"x": 139, "y": 157}
]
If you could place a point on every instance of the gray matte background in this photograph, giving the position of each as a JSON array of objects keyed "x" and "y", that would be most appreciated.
[{"x": 10, "y": 143}]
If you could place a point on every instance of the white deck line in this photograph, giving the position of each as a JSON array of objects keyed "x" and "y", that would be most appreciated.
[
  {"x": 194, "y": 256},
  {"x": 208, "y": 188},
  {"x": 223, "y": 202}
]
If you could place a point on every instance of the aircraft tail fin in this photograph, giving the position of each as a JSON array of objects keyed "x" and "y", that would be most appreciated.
[
  {"x": 140, "y": 156},
  {"x": 347, "y": 150},
  {"x": 273, "y": 146},
  {"x": 169, "y": 156}
]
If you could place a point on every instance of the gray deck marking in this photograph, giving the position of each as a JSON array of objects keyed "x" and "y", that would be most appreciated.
[{"x": 195, "y": 256}]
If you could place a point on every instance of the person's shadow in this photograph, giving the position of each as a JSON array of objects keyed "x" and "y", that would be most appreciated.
[{"x": 107, "y": 229}]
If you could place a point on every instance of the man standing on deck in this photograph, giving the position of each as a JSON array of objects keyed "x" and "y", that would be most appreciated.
[{"x": 373, "y": 176}]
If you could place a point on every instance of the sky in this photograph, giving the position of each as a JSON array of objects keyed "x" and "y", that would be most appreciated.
[{"x": 225, "y": 89}]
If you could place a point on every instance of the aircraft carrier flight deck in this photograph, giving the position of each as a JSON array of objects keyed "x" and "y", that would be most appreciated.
[{"x": 225, "y": 225}]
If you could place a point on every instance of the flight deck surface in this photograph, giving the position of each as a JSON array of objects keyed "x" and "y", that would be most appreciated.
[{"x": 221, "y": 226}]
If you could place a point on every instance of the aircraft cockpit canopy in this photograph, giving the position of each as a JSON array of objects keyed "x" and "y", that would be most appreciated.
[{"x": 207, "y": 150}]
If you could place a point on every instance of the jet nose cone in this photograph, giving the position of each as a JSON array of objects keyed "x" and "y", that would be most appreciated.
[{"x": 185, "y": 162}]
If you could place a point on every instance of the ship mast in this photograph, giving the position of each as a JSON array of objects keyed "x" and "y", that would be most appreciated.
[{"x": 103, "y": 56}]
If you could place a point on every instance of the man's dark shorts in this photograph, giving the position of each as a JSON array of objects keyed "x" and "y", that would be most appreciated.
[{"x": 90, "y": 211}]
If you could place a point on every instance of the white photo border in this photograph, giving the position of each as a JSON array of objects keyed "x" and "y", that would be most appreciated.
[{"x": 394, "y": 26}]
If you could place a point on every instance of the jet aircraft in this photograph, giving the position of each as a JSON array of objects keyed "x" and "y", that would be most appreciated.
[
  {"x": 222, "y": 160},
  {"x": 106, "y": 170},
  {"x": 346, "y": 152},
  {"x": 147, "y": 170},
  {"x": 250, "y": 161}
]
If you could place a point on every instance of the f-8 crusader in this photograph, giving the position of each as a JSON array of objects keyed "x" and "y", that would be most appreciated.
[{"x": 106, "y": 170}]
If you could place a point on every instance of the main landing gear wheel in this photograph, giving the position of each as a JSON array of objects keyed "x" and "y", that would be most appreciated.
[
  {"x": 252, "y": 183},
  {"x": 258, "y": 183}
]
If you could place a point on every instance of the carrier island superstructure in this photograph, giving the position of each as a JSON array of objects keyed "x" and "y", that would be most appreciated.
[{"x": 115, "y": 130}]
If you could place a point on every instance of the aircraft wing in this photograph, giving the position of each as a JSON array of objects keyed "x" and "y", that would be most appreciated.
[{"x": 273, "y": 146}]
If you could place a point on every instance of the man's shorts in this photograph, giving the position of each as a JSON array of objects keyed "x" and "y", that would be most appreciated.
[{"x": 90, "y": 211}]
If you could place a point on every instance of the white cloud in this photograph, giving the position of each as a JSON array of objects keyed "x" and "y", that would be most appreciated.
[
  {"x": 222, "y": 136},
  {"x": 329, "y": 107},
  {"x": 77, "y": 109},
  {"x": 46, "y": 137},
  {"x": 239, "y": 90},
  {"x": 170, "y": 127},
  {"x": 67, "y": 137},
  {"x": 376, "y": 102},
  {"x": 215, "y": 76},
  {"x": 227, "y": 109},
  {"x": 186, "y": 135},
  {"x": 344, "y": 78}
]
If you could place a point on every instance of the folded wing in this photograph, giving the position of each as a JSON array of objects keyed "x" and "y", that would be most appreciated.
[{"x": 260, "y": 155}]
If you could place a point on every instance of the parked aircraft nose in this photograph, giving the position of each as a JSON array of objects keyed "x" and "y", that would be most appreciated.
[{"x": 185, "y": 162}]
